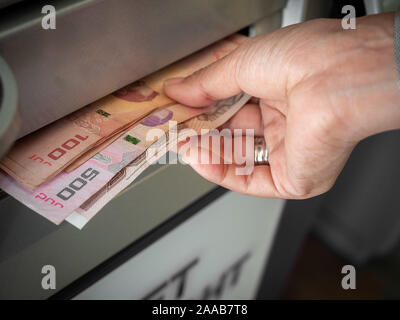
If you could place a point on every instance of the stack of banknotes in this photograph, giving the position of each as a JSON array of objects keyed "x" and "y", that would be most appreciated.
[{"x": 70, "y": 169}]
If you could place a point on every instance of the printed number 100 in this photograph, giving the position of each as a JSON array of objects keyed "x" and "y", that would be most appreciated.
[{"x": 58, "y": 152}]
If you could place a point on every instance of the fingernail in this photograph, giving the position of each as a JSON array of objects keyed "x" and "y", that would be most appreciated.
[{"x": 173, "y": 81}]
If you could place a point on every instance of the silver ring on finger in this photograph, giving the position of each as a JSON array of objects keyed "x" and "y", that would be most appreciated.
[{"x": 260, "y": 152}]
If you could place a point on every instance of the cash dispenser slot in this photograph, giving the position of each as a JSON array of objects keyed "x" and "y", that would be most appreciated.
[
  {"x": 97, "y": 48},
  {"x": 100, "y": 46}
]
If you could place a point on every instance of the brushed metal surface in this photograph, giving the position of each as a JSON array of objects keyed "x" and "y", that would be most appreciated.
[{"x": 99, "y": 46}]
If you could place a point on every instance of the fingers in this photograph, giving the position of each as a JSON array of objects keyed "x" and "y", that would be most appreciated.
[
  {"x": 258, "y": 183},
  {"x": 248, "y": 117},
  {"x": 274, "y": 124},
  {"x": 258, "y": 67},
  {"x": 232, "y": 171}
]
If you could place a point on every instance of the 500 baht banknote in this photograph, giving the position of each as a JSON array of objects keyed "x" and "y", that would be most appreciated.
[
  {"x": 217, "y": 115},
  {"x": 57, "y": 198}
]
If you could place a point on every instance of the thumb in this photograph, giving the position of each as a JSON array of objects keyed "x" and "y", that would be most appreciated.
[
  {"x": 214, "y": 82},
  {"x": 257, "y": 67}
]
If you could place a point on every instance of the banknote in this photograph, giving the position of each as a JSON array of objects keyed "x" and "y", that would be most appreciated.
[
  {"x": 98, "y": 148},
  {"x": 216, "y": 115},
  {"x": 40, "y": 156},
  {"x": 57, "y": 198}
]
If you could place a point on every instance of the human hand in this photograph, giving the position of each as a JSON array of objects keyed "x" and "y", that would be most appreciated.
[{"x": 321, "y": 90}]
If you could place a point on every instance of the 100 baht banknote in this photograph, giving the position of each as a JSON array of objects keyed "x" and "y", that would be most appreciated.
[
  {"x": 57, "y": 198},
  {"x": 40, "y": 156}
]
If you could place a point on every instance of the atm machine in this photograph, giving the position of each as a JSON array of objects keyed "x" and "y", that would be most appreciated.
[{"x": 172, "y": 235}]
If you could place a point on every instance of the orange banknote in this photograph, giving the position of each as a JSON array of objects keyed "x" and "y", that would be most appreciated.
[{"x": 40, "y": 156}]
